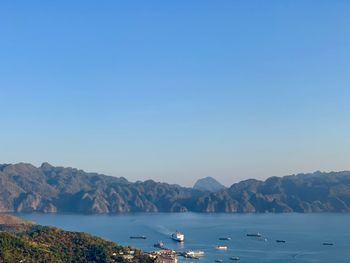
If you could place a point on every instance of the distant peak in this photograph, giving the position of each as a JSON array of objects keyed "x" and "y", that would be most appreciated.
[
  {"x": 45, "y": 166},
  {"x": 208, "y": 178},
  {"x": 208, "y": 184}
]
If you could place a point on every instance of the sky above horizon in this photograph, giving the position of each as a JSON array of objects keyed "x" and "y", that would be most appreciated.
[{"x": 176, "y": 90}]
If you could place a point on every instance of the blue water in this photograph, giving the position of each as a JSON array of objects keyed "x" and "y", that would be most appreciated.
[{"x": 304, "y": 233}]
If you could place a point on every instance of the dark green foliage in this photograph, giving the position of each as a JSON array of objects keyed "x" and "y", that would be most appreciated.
[{"x": 48, "y": 244}]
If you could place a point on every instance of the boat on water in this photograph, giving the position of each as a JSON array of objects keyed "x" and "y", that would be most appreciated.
[
  {"x": 218, "y": 260},
  {"x": 159, "y": 244},
  {"x": 327, "y": 244},
  {"x": 185, "y": 255},
  {"x": 280, "y": 241},
  {"x": 221, "y": 247},
  {"x": 235, "y": 258},
  {"x": 254, "y": 235},
  {"x": 138, "y": 237},
  {"x": 178, "y": 236},
  {"x": 225, "y": 238},
  {"x": 195, "y": 253}
]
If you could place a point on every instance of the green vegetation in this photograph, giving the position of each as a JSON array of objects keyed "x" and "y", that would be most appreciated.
[{"x": 47, "y": 244}]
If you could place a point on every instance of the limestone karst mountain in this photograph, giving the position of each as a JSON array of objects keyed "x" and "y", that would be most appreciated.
[
  {"x": 26, "y": 188},
  {"x": 208, "y": 184}
]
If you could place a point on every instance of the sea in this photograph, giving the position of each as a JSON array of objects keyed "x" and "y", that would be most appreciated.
[{"x": 304, "y": 234}]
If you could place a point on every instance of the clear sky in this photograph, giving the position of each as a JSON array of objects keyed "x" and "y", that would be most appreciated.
[{"x": 176, "y": 90}]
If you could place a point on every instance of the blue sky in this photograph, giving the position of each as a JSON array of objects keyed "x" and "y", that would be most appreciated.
[{"x": 176, "y": 90}]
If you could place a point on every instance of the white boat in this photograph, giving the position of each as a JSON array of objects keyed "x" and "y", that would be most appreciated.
[
  {"x": 178, "y": 236},
  {"x": 235, "y": 258},
  {"x": 221, "y": 247},
  {"x": 159, "y": 244},
  {"x": 195, "y": 253}
]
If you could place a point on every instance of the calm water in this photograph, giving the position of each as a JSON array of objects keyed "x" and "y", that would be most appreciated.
[{"x": 304, "y": 233}]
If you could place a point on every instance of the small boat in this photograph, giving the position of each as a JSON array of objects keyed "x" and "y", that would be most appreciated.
[
  {"x": 327, "y": 244},
  {"x": 280, "y": 241},
  {"x": 218, "y": 260},
  {"x": 178, "y": 236},
  {"x": 189, "y": 256},
  {"x": 221, "y": 247},
  {"x": 235, "y": 258},
  {"x": 254, "y": 235},
  {"x": 225, "y": 238},
  {"x": 159, "y": 244},
  {"x": 138, "y": 237},
  {"x": 195, "y": 253}
]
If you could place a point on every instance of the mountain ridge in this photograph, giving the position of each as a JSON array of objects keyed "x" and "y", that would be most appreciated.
[{"x": 50, "y": 189}]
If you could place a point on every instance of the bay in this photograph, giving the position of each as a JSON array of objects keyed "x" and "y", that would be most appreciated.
[{"x": 304, "y": 233}]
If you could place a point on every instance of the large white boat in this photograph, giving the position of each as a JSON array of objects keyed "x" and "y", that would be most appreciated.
[{"x": 178, "y": 236}]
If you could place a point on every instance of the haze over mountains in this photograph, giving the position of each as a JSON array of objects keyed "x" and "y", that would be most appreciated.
[{"x": 26, "y": 188}]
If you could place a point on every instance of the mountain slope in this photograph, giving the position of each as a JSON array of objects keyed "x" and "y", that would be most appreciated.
[
  {"x": 26, "y": 188},
  {"x": 208, "y": 184},
  {"x": 317, "y": 192},
  {"x": 34, "y": 243}
]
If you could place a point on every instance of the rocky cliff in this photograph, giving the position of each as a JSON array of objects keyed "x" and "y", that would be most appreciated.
[{"x": 26, "y": 188}]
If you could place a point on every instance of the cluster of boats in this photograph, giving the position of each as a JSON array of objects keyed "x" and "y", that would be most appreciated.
[
  {"x": 196, "y": 254},
  {"x": 225, "y": 248},
  {"x": 193, "y": 254}
]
